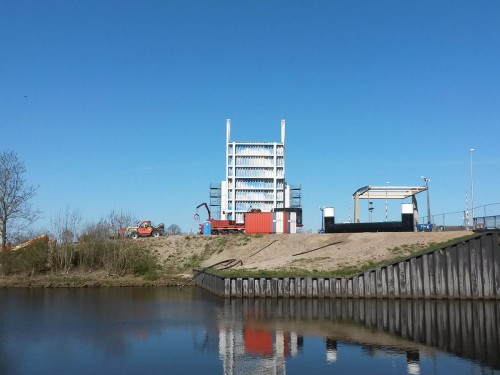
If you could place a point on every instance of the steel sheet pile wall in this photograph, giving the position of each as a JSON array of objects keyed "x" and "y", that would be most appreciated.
[{"x": 468, "y": 270}]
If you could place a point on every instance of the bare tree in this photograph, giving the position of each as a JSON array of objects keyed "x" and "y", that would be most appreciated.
[
  {"x": 117, "y": 220},
  {"x": 15, "y": 194},
  {"x": 174, "y": 229},
  {"x": 65, "y": 225},
  {"x": 107, "y": 227}
]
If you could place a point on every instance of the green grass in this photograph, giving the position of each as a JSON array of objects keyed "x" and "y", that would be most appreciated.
[{"x": 419, "y": 248}]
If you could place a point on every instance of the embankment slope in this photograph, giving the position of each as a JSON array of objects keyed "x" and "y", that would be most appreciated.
[{"x": 304, "y": 251}]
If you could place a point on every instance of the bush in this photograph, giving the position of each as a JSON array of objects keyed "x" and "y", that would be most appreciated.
[
  {"x": 147, "y": 266},
  {"x": 122, "y": 257},
  {"x": 116, "y": 257},
  {"x": 63, "y": 257},
  {"x": 32, "y": 259},
  {"x": 90, "y": 255}
]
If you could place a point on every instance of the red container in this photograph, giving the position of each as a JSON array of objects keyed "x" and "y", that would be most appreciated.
[{"x": 258, "y": 222}]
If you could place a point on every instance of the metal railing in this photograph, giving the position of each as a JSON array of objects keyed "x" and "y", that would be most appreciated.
[
  {"x": 485, "y": 216},
  {"x": 487, "y": 222}
]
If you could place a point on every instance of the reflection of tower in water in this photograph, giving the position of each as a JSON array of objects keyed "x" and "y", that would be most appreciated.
[
  {"x": 331, "y": 350},
  {"x": 413, "y": 362},
  {"x": 399, "y": 328},
  {"x": 248, "y": 350}
]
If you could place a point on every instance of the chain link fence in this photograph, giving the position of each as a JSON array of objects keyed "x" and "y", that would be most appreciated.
[
  {"x": 485, "y": 217},
  {"x": 487, "y": 222}
]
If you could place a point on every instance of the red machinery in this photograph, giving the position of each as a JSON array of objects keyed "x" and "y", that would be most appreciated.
[{"x": 220, "y": 226}]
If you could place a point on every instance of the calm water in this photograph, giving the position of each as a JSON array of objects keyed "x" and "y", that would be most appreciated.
[{"x": 166, "y": 331}]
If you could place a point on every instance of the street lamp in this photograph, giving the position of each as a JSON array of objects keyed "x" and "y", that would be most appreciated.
[
  {"x": 370, "y": 209},
  {"x": 427, "y": 179},
  {"x": 472, "y": 186},
  {"x": 386, "y": 200},
  {"x": 322, "y": 219}
]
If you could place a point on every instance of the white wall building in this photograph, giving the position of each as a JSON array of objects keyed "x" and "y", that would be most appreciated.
[{"x": 255, "y": 177}]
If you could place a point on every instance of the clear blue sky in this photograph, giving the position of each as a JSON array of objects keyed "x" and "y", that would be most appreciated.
[{"x": 123, "y": 104}]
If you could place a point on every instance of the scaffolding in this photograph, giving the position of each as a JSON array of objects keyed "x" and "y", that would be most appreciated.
[
  {"x": 295, "y": 196},
  {"x": 215, "y": 200}
]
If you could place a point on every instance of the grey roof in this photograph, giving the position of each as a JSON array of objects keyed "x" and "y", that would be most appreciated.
[{"x": 387, "y": 192}]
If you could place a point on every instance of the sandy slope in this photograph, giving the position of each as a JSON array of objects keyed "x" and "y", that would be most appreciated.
[{"x": 270, "y": 252}]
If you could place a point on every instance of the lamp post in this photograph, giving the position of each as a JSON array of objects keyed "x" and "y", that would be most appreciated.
[
  {"x": 472, "y": 186},
  {"x": 322, "y": 219},
  {"x": 387, "y": 183},
  {"x": 370, "y": 209},
  {"x": 350, "y": 205},
  {"x": 426, "y": 180}
]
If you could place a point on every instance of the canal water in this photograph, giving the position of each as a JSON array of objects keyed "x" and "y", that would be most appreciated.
[{"x": 167, "y": 331}]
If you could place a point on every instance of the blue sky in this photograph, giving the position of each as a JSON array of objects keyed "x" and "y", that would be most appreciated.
[{"x": 123, "y": 104}]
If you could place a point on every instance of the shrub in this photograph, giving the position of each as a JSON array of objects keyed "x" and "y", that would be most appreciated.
[
  {"x": 117, "y": 257},
  {"x": 122, "y": 257},
  {"x": 90, "y": 255},
  {"x": 63, "y": 257},
  {"x": 32, "y": 259}
]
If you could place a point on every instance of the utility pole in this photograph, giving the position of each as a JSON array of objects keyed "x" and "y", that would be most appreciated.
[
  {"x": 427, "y": 179},
  {"x": 322, "y": 219},
  {"x": 472, "y": 186},
  {"x": 387, "y": 183}
]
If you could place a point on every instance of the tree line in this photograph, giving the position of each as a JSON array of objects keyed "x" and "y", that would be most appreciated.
[
  {"x": 72, "y": 244},
  {"x": 17, "y": 213}
]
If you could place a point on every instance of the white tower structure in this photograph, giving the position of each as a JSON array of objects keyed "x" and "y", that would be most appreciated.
[{"x": 255, "y": 177}]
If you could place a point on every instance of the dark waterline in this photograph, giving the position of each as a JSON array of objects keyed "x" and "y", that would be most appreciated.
[{"x": 166, "y": 331}]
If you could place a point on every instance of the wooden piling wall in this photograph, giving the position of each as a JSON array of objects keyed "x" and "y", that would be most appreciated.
[{"x": 467, "y": 270}]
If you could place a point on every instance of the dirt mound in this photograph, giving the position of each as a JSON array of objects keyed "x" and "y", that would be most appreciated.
[{"x": 294, "y": 252}]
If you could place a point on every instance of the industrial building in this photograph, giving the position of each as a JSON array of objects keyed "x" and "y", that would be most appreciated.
[{"x": 255, "y": 180}]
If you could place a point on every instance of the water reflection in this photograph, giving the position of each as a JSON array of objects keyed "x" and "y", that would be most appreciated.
[
  {"x": 407, "y": 328},
  {"x": 125, "y": 331}
]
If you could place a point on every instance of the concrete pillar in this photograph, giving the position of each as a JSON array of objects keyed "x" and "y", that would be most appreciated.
[{"x": 415, "y": 211}]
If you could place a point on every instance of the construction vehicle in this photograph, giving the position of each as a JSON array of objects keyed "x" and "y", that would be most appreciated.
[
  {"x": 219, "y": 226},
  {"x": 144, "y": 228}
]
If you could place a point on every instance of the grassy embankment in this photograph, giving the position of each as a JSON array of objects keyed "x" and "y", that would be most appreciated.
[
  {"x": 138, "y": 263},
  {"x": 103, "y": 262}
]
